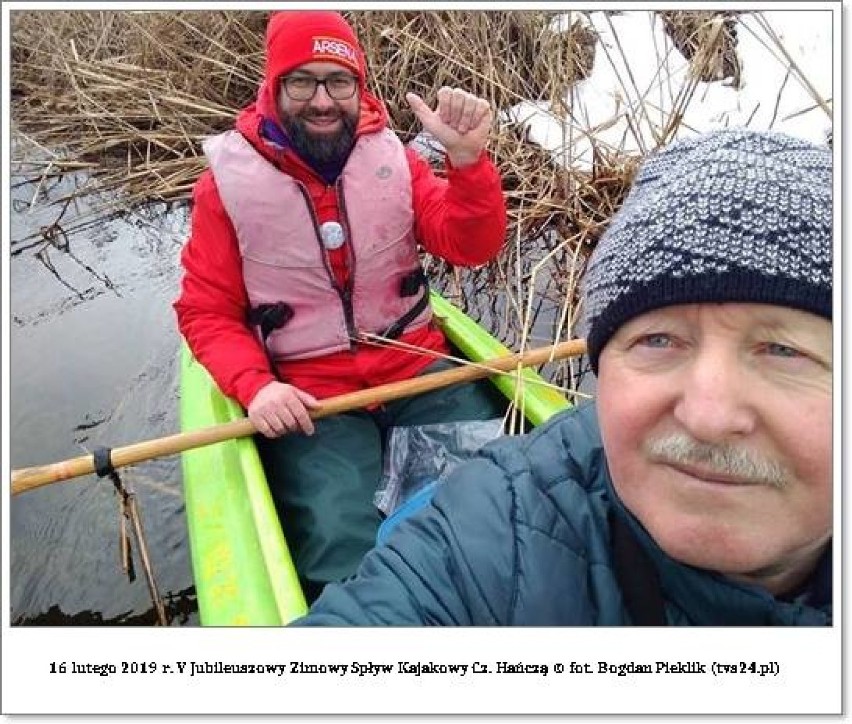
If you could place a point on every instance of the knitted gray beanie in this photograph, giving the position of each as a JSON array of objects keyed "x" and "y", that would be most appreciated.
[{"x": 730, "y": 216}]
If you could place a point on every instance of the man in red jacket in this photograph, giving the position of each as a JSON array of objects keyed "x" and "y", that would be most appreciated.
[{"x": 304, "y": 247}]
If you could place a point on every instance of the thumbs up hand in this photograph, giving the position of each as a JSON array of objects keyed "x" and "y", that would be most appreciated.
[{"x": 461, "y": 122}]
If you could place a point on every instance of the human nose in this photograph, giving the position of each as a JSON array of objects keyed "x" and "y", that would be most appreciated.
[
  {"x": 714, "y": 404},
  {"x": 321, "y": 98}
]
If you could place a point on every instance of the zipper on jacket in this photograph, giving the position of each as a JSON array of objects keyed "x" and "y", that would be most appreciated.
[
  {"x": 350, "y": 252},
  {"x": 344, "y": 219},
  {"x": 345, "y": 292}
]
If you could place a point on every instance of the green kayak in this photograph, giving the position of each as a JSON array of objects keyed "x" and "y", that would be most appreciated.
[{"x": 243, "y": 572}]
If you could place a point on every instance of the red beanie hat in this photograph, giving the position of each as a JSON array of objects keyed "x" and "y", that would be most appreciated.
[{"x": 296, "y": 37}]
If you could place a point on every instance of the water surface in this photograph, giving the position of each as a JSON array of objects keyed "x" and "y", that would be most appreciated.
[{"x": 93, "y": 361}]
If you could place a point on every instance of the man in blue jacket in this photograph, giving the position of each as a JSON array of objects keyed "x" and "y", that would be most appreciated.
[{"x": 697, "y": 489}]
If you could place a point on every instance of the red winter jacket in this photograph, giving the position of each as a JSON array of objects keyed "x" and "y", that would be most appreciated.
[{"x": 461, "y": 219}]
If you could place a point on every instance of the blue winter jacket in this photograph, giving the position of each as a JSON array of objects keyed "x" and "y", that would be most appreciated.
[{"x": 520, "y": 536}]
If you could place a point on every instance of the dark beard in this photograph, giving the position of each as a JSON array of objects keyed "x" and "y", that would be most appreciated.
[{"x": 320, "y": 151}]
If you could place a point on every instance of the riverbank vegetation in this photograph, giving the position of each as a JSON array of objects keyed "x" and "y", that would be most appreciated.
[{"x": 127, "y": 97}]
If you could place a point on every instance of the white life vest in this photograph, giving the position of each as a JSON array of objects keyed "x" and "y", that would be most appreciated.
[{"x": 286, "y": 264}]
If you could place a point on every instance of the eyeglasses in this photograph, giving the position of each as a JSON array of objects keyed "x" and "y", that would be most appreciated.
[{"x": 339, "y": 86}]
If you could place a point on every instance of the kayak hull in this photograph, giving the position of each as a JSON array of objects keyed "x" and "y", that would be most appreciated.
[
  {"x": 242, "y": 568},
  {"x": 243, "y": 571}
]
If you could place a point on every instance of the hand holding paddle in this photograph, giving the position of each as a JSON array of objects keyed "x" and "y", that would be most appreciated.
[
  {"x": 36, "y": 477},
  {"x": 279, "y": 408}
]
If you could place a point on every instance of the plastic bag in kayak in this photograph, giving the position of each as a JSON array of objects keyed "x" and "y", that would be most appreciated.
[{"x": 415, "y": 456}]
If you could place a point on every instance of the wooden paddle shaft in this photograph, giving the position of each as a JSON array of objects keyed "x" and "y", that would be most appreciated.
[{"x": 29, "y": 478}]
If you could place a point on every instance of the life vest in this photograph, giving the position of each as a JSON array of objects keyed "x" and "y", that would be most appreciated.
[{"x": 300, "y": 308}]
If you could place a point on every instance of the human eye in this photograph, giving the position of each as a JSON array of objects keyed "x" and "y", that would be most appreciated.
[
  {"x": 341, "y": 81},
  {"x": 649, "y": 351},
  {"x": 655, "y": 340},
  {"x": 777, "y": 349},
  {"x": 300, "y": 82},
  {"x": 795, "y": 359}
]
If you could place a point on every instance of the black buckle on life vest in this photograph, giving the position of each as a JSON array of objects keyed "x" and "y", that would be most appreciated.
[
  {"x": 267, "y": 318},
  {"x": 410, "y": 284}
]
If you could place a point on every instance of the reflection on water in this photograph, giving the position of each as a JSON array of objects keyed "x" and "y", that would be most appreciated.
[
  {"x": 181, "y": 609},
  {"x": 93, "y": 360}
]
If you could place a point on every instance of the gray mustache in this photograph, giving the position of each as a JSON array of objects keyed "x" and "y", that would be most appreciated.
[{"x": 727, "y": 460}]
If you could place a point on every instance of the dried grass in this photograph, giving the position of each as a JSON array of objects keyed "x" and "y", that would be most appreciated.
[{"x": 131, "y": 94}]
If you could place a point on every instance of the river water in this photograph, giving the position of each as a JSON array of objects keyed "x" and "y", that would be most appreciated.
[{"x": 93, "y": 361}]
